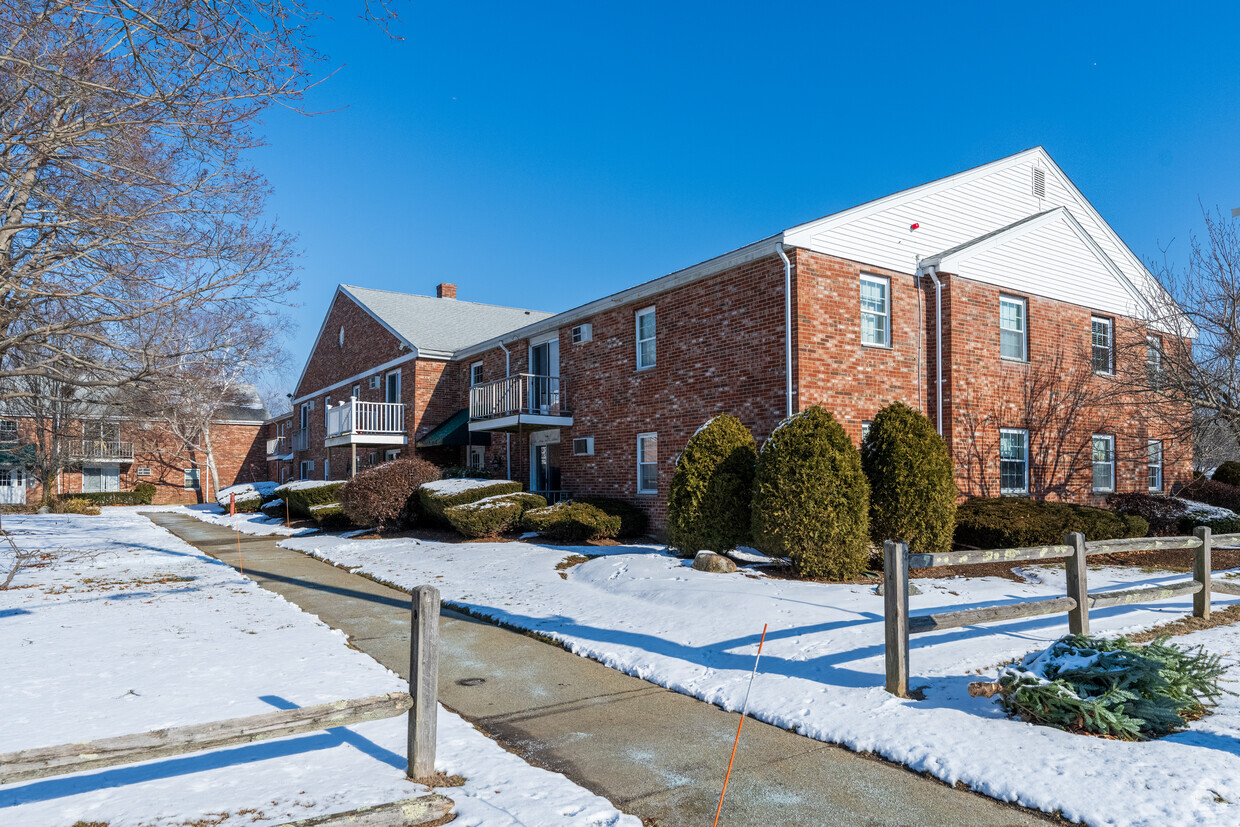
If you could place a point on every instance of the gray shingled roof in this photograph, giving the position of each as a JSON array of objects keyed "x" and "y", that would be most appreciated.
[{"x": 440, "y": 326}]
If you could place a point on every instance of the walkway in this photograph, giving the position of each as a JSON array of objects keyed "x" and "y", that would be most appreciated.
[{"x": 652, "y": 752}]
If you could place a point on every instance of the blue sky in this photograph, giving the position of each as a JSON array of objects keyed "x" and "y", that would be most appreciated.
[{"x": 543, "y": 155}]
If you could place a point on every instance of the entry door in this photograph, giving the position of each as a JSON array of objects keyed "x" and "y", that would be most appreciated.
[
  {"x": 545, "y": 386},
  {"x": 545, "y": 467},
  {"x": 12, "y": 486}
]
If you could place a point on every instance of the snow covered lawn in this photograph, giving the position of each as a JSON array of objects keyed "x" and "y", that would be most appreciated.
[
  {"x": 250, "y": 523},
  {"x": 150, "y": 633},
  {"x": 646, "y": 613}
]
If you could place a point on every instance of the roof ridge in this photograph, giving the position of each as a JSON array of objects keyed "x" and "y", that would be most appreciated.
[{"x": 352, "y": 287}]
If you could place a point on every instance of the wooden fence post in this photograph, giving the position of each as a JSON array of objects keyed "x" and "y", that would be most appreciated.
[
  {"x": 423, "y": 681},
  {"x": 1078, "y": 584},
  {"x": 1201, "y": 572},
  {"x": 895, "y": 615}
]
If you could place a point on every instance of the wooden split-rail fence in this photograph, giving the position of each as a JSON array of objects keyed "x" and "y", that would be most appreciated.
[
  {"x": 1077, "y": 603},
  {"x": 421, "y": 703}
]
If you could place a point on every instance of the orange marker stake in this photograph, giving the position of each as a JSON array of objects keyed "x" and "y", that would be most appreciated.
[{"x": 744, "y": 709}]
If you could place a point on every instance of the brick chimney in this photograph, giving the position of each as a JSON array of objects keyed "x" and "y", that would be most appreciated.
[{"x": 446, "y": 291}]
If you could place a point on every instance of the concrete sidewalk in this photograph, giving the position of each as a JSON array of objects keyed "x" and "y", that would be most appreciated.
[{"x": 654, "y": 753}]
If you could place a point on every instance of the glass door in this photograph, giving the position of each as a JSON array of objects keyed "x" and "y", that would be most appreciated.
[{"x": 545, "y": 468}]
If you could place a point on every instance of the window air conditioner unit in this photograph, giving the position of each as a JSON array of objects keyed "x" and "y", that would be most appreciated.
[
  {"x": 583, "y": 333},
  {"x": 583, "y": 446}
]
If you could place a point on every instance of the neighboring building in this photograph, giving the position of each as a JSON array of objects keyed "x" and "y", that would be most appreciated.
[
  {"x": 107, "y": 451},
  {"x": 987, "y": 284}
]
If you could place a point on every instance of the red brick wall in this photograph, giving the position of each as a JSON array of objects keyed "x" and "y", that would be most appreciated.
[{"x": 366, "y": 343}]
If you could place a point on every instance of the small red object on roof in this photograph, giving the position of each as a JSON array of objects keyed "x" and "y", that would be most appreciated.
[{"x": 914, "y": 227}]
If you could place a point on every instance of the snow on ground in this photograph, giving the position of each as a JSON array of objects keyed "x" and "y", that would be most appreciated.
[
  {"x": 249, "y": 523},
  {"x": 648, "y": 614},
  {"x": 150, "y": 633}
]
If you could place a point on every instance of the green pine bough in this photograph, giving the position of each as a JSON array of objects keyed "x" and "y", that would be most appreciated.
[{"x": 1112, "y": 687}]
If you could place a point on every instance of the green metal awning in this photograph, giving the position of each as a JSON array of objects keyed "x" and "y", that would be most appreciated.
[
  {"x": 454, "y": 431},
  {"x": 17, "y": 455}
]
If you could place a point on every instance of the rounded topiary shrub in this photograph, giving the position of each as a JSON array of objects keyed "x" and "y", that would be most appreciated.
[
  {"x": 571, "y": 522},
  {"x": 811, "y": 501},
  {"x": 386, "y": 495},
  {"x": 1228, "y": 473},
  {"x": 1014, "y": 522},
  {"x": 633, "y": 521},
  {"x": 712, "y": 490},
  {"x": 493, "y": 515},
  {"x": 912, "y": 486}
]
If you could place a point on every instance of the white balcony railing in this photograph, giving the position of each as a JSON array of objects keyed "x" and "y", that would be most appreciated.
[
  {"x": 99, "y": 449},
  {"x": 355, "y": 417},
  {"x": 524, "y": 393},
  {"x": 301, "y": 439},
  {"x": 278, "y": 446}
]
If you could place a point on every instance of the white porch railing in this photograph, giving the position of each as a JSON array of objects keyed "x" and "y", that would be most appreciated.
[
  {"x": 524, "y": 393},
  {"x": 278, "y": 446},
  {"x": 100, "y": 449},
  {"x": 301, "y": 439},
  {"x": 367, "y": 418}
]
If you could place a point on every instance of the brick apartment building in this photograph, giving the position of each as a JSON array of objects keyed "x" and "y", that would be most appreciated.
[
  {"x": 110, "y": 451},
  {"x": 986, "y": 284}
]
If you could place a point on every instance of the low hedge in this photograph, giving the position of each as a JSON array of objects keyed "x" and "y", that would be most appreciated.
[
  {"x": 249, "y": 496},
  {"x": 439, "y": 495},
  {"x": 76, "y": 505},
  {"x": 1212, "y": 492},
  {"x": 1165, "y": 515},
  {"x": 305, "y": 494},
  {"x": 1228, "y": 473},
  {"x": 1010, "y": 522},
  {"x": 633, "y": 521},
  {"x": 571, "y": 521},
  {"x": 115, "y": 497},
  {"x": 492, "y": 515},
  {"x": 329, "y": 515},
  {"x": 273, "y": 510}
]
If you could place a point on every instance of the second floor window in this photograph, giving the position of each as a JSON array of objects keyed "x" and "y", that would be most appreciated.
[
  {"x": 1104, "y": 462},
  {"x": 1153, "y": 359},
  {"x": 475, "y": 373},
  {"x": 1013, "y": 461},
  {"x": 875, "y": 311},
  {"x": 1012, "y": 328},
  {"x": 645, "y": 338},
  {"x": 1103, "y": 345},
  {"x": 8, "y": 430}
]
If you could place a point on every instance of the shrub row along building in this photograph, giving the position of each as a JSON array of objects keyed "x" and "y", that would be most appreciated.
[{"x": 993, "y": 300}]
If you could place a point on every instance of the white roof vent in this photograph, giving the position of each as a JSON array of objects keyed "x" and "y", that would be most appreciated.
[{"x": 1039, "y": 182}]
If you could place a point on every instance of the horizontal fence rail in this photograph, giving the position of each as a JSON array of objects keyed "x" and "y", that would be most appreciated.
[
  {"x": 522, "y": 393},
  {"x": 365, "y": 418},
  {"x": 100, "y": 449},
  {"x": 1077, "y": 603}
]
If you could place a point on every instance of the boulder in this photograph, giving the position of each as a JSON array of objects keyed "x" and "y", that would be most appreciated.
[
  {"x": 911, "y": 589},
  {"x": 709, "y": 561}
]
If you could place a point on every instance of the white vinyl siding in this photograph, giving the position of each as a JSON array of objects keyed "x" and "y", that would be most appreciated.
[
  {"x": 875, "y": 311},
  {"x": 1104, "y": 463},
  {"x": 647, "y": 463},
  {"x": 1013, "y": 461},
  {"x": 1102, "y": 344},
  {"x": 645, "y": 338},
  {"x": 1013, "y": 334},
  {"x": 1155, "y": 453}
]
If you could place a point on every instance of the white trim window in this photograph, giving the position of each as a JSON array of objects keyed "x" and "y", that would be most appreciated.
[
  {"x": 306, "y": 469},
  {"x": 475, "y": 374},
  {"x": 875, "y": 311},
  {"x": 865, "y": 428},
  {"x": 391, "y": 387},
  {"x": 1013, "y": 461},
  {"x": 327, "y": 472},
  {"x": 1103, "y": 344},
  {"x": 8, "y": 430},
  {"x": 645, "y": 338},
  {"x": 1013, "y": 332},
  {"x": 1103, "y": 454},
  {"x": 192, "y": 480},
  {"x": 1155, "y": 453},
  {"x": 391, "y": 454},
  {"x": 1153, "y": 360},
  {"x": 648, "y": 463}
]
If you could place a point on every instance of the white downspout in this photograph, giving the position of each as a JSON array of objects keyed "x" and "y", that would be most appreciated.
[
  {"x": 507, "y": 437},
  {"x": 932, "y": 271},
  {"x": 779, "y": 248}
]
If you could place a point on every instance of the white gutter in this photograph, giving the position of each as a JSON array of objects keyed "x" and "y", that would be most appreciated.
[
  {"x": 779, "y": 248},
  {"x": 507, "y": 436}
]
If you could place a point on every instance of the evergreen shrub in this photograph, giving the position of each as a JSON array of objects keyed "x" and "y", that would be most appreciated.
[
  {"x": 492, "y": 515},
  {"x": 305, "y": 494},
  {"x": 112, "y": 498},
  {"x": 76, "y": 505},
  {"x": 811, "y": 500},
  {"x": 385, "y": 496},
  {"x": 1167, "y": 516},
  {"x": 329, "y": 515},
  {"x": 570, "y": 521},
  {"x": 435, "y": 497},
  {"x": 912, "y": 485},
  {"x": 1210, "y": 492},
  {"x": 711, "y": 499},
  {"x": 144, "y": 492},
  {"x": 633, "y": 521},
  {"x": 1014, "y": 522},
  {"x": 1228, "y": 473}
]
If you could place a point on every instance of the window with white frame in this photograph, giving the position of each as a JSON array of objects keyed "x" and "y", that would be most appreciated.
[
  {"x": 1104, "y": 462},
  {"x": 865, "y": 429},
  {"x": 1012, "y": 332},
  {"x": 391, "y": 454},
  {"x": 8, "y": 430},
  {"x": 477, "y": 460},
  {"x": 1153, "y": 359},
  {"x": 327, "y": 469},
  {"x": 306, "y": 469},
  {"x": 875, "y": 311},
  {"x": 647, "y": 463},
  {"x": 392, "y": 388},
  {"x": 1156, "y": 464},
  {"x": 1103, "y": 344},
  {"x": 192, "y": 482},
  {"x": 475, "y": 373},
  {"x": 357, "y": 391},
  {"x": 645, "y": 338},
  {"x": 1013, "y": 461}
]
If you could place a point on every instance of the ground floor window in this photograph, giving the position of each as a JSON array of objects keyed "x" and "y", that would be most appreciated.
[
  {"x": 391, "y": 454},
  {"x": 1104, "y": 462},
  {"x": 1013, "y": 461},
  {"x": 306, "y": 469},
  {"x": 97, "y": 478},
  {"x": 1156, "y": 465},
  {"x": 647, "y": 463},
  {"x": 327, "y": 469},
  {"x": 192, "y": 482},
  {"x": 477, "y": 457}
]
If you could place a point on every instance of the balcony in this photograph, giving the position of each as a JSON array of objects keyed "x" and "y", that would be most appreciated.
[
  {"x": 301, "y": 439},
  {"x": 366, "y": 423},
  {"x": 279, "y": 448},
  {"x": 522, "y": 402},
  {"x": 99, "y": 450}
]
